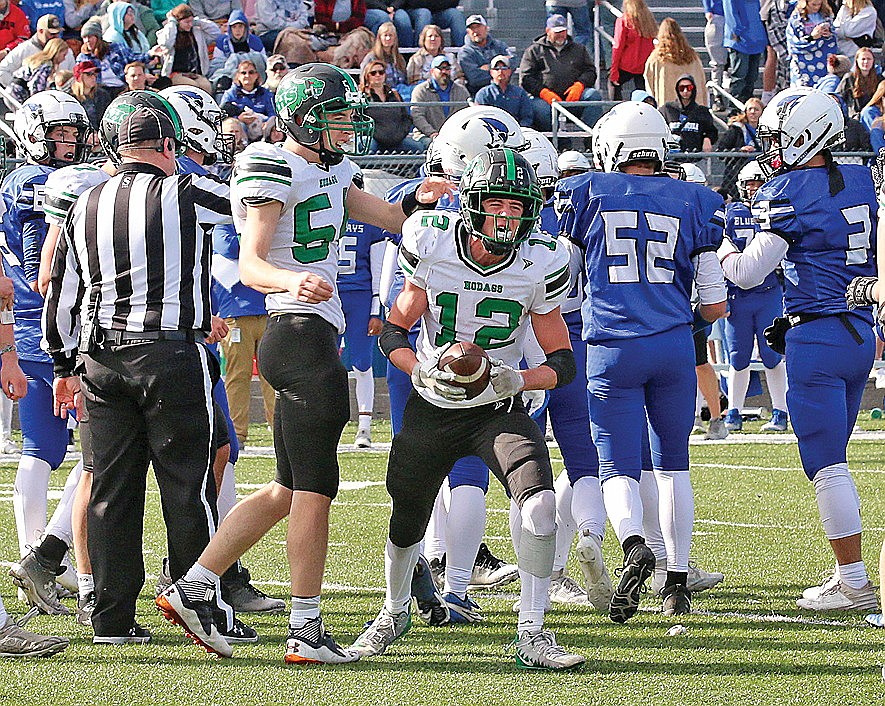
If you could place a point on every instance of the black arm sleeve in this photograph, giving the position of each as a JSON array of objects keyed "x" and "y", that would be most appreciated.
[
  {"x": 392, "y": 338},
  {"x": 562, "y": 362}
]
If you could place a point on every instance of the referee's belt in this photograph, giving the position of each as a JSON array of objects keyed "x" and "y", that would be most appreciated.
[{"x": 115, "y": 337}]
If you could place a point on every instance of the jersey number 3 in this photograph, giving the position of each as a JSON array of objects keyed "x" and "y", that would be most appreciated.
[
  {"x": 858, "y": 251},
  {"x": 657, "y": 252}
]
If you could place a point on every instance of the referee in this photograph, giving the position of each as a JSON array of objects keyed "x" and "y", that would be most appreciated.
[{"x": 128, "y": 308}]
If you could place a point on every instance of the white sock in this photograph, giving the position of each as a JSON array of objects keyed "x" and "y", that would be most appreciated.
[
  {"x": 651, "y": 524},
  {"x": 676, "y": 513},
  {"x": 588, "y": 507},
  {"x": 85, "y": 584},
  {"x": 465, "y": 526},
  {"x": 302, "y": 610},
  {"x": 698, "y": 402},
  {"x": 776, "y": 378},
  {"x": 837, "y": 501},
  {"x": 565, "y": 522},
  {"x": 60, "y": 522},
  {"x": 623, "y": 504},
  {"x": 365, "y": 393},
  {"x": 515, "y": 526},
  {"x": 854, "y": 575},
  {"x": 227, "y": 493},
  {"x": 399, "y": 562},
  {"x": 29, "y": 500},
  {"x": 364, "y": 421},
  {"x": 738, "y": 382},
  {"x": 435, "y": 534},
  {"x": 200, "y": 574}
]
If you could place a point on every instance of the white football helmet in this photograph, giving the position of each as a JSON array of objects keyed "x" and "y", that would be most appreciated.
[
  {"x": 693, "y": 173},
  {"x": 472, "y": 131},
  {"x": 42, "y": 112},
  {"x": 795, "y": 126},
  {"x": 541, "y": 154},
  {"x": 572, "y": 160},
  {"x": 751, "y": 171},
  {"x": 201, "y": 120},
  {"x": 629, "y": 132}
]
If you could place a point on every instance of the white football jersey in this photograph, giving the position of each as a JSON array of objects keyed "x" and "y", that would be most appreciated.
[
  {"x": 488, "y": 306},
  {"x": 64, "y": 185},
  {"x": 311, "y": 223}
]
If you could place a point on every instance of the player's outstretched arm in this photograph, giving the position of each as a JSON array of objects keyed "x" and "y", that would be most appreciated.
[
  {"x": 749, "y": 268},
  {"x": 365, "y": 207},
  {"x": 258, "y": 273}
]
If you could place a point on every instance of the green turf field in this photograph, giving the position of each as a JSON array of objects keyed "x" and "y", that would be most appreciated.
[{"x": 747, "y": 644}]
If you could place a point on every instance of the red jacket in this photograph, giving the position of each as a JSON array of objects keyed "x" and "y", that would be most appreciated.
[
  {"x": 14, "y": 28},
  {"x": 322, "y": 15},
  {"x": 630, "y": 49}
]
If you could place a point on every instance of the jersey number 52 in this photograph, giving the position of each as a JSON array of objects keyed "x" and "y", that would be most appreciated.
[{"x": 619, "y": 243}]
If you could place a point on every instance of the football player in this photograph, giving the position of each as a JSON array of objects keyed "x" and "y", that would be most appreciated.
[
  {"x": 750, "y": 312},
  {"x": 289, "y": 205},
  {"x": 819, "y": 218},
  {"x": 54, "y": 131},
  {"x": 477, "y": 276},
  {"x": 646, "y": 240}
]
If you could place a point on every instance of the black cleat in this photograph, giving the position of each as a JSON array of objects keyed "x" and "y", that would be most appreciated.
[
  {"x": 639, "y": 564},
  {"x": 677, "y": 600}
]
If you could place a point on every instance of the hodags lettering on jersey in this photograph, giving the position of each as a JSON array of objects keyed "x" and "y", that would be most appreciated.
[
  {"x": 328, "y": 181},
  {"x": 482, "y": 287}
]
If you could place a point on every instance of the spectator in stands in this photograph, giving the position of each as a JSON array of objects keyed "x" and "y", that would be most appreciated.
[
  {"x": 444, "y": 13},
  {"x": 248, "y": 100},
  {"x": 216, "y": 10},
  {"x": 430, "y": 45},
  {"x": 714, "y": 36},
  {"x": 837, "y": 66},
  {"x": 580, "y": 13},
  {"x": 273, "y": 16},
  {"x": 692, "y": 123},
  {"x": 136, "y": 76},
  {"x": 745, "y": 41},
  {"x": 673, "y": 57},
  {"x": 635, "y": 31},
  {"x": 78, "y": 11},
  {"x": 48, "y": 27},
  {"x": 739, "y": 137},
  {"x": 877, "y": 134},
  {"x": 380, "y": 11},
  {"x": 392, "y": 125},
  {"x": 122, "y": 28},
  {"x": 339, "y": 16},
  {"x": 875, "y": 108},
  {"x": 386, "y": 50},
  {"x": 35, "y": 9},
  {"x": 439, "y": 87},
  {"x": 556, "y": 68},
  {"x": 186, "y": 40},
  {"x": 34, "y": 74},
  {"x": 61, "y": 80},
  {"x": 88, "y": 93},
  {"x": 112, "y": 58},
  {"x": 855, "y": 25},
  {"x": 858, "y": 85},
  {"x": 235, "y": 45},
  {"x": 479, "y": 49},
  {"x": 144, "y": 18},
  {"x": 505, "y": 95},
  {"x": 643, "y": 96},
  {"x": 14, "y": 27},
  {"x": 776, "y": 75},
  {"x": 810, "y": 40},
  {"x": 277, "y": 68}
]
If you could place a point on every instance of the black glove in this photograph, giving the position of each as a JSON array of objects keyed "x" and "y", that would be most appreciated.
[
  {"x": 878, "y": 170},
  {"x": 860, "y": 292},
  {"x": 775, "y": 335}
]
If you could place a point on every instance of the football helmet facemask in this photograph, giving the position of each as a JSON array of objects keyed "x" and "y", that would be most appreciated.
[
  {"x": 201, "y": 123},
  {"x": 44, "y": 111}
]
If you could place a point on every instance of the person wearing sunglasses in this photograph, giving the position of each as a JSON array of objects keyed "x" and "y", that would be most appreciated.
[
  {"x": 248, "y": 100},
  {"x": 392, "y": 125}
]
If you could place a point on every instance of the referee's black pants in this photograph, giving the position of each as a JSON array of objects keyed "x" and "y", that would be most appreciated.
[{"x": 147, "y": 403}]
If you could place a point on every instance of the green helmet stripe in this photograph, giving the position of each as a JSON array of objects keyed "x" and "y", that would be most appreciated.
[{"x": 511, "y": 166}]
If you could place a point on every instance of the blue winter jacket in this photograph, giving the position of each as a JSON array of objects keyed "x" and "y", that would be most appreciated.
[{"x": 224, "y": 45}]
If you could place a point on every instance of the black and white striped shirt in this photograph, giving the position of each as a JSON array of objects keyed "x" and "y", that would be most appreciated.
[{"x": 142, "y": 241}]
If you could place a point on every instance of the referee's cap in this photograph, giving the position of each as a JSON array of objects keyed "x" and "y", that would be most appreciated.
[{"x": 144, "y": 124}]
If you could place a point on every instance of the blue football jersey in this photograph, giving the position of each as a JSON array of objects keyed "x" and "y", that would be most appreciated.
[
  {"x": 23, "y": 232},
  {"x": 639, "y": 235},
  {"x": 354, "y": 270},
  {"x": 740, "y": 228},
  {"x": 549, "y": 222},
  {"x": 830, "y": 238}
]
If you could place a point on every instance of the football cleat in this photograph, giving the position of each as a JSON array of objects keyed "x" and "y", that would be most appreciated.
[
  {"x": 85, "y": 608},
  {"x": 778, "y": 421},
  {"x": 538, "y": 650},
  {"x": 875, "y": 620},
  {"x": 717, "y": 431},
  {"x": 37, "y": 581},
  {"x": 438, "y": 571},
  {"x": 813, "y": 592},
  {"x": 733, "y": 420},
  {"x": 596, "y": 579},
  {"x": 564, "y": 589},
  {"x": 491, "y": 572},
  {"x": 462, "y": 610},
  {"x": 639, "y": 564},
  {"x": 137, "y": 635},
  {"x": 312, "y": 644},
  {"x": 382, "y": 632},
  {"x": 677, "y": 600},
  {"x": 15, "y": 641},
  {"x": 238, "y": 632},
  {"x": 432, "y": 609},
  {"x": 190, "y": 605},
  {"x": 243, "y": 597},
  {"x": 363, "y": 439},
  {"x": 840, "y": 596}
]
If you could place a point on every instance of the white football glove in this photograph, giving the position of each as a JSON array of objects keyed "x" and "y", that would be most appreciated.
[
  {"x": 533, "y": 400},
  {"x": 506, "y": 381},
  {"x": 429, "y": 376}
]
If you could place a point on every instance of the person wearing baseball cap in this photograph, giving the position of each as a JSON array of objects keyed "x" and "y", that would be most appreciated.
[
  {"x": 579, "y": 12},
  {"x": 94, "y": 98},
  {"x": 505, "y": 95},
  {"x": 47, "y": 27},
  {"x": 439, "y": 87},
  {"x": 479, "y": 49}
]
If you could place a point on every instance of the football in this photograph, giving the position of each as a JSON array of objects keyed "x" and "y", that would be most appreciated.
[{"x": 470, "y": 364}]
